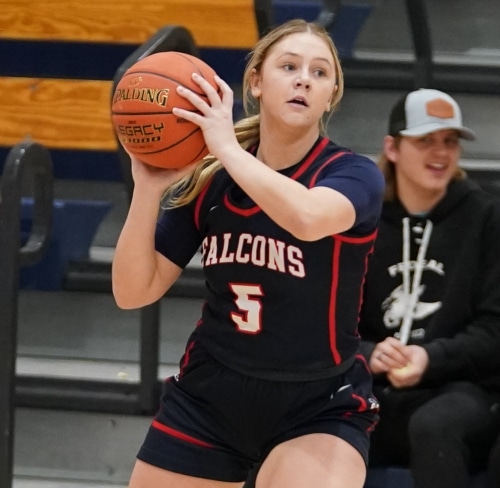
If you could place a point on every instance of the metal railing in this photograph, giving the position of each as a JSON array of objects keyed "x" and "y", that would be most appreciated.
[{"x": 27, "y": 162}]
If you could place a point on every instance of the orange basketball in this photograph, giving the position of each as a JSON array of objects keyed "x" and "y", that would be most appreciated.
[{"x": 142, "y": 104}]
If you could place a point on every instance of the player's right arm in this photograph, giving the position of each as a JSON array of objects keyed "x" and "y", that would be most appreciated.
[{"x": 141, "y": 275}]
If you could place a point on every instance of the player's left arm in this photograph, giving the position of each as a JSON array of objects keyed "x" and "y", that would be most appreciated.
[
  {"x": 338, "y": 201},
  {"x": 308, "y": 214}
]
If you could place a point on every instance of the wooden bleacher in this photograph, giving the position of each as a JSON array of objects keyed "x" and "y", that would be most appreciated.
[
  {"x": 60, "y": 58},
  {"x": 215, "y": 23}
]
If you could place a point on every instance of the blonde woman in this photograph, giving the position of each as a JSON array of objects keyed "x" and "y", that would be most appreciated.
[{"x": 285, "y": 220}]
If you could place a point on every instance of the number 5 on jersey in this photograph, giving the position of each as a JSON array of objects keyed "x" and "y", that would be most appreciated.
[{"x": 248, "y": 319}]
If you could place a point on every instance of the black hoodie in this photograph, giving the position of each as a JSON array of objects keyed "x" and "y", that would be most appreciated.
[{"x": 450, "y": 296}]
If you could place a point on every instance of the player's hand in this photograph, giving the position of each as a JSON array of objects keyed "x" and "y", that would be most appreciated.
[
  {"x": 156, "y": 180},
  {"x": 388, "y": 354},
  {"x": 410, "y": 374},
  {"x": 215, "y": 118}
]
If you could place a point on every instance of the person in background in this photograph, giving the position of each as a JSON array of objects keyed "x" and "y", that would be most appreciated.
[
  {"x": 286, "y": 221},
  {"x": 430, "y": 320}
]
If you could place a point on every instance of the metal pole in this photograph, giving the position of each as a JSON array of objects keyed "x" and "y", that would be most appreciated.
[{"x": 422, "y": 44}]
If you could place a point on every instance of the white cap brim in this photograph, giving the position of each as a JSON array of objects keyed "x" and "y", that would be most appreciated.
[{"x": 421, "y": 130}]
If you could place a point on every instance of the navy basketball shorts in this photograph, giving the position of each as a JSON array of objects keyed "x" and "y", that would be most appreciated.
[{"x": 216, "y": 423}]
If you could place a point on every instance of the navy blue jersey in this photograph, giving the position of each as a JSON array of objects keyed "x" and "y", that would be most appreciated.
[{"x": 278, "y": 307}]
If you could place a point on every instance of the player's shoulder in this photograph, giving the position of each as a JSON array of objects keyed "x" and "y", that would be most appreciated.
[
  {"x": 345, "y": 159},
  {"x": 345, "y": 154}
]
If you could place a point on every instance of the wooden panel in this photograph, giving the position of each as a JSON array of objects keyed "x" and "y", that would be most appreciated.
[
  {"x": 62, "y": 114},
  {"x": 213, "y": 23}
]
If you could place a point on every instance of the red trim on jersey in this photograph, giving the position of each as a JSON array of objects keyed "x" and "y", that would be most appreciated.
[
  {"x": 199, "y": 201},
  {"x": 185, "y": 359},
  {"x": 179, "y": 435},
  {"x": 246, "y": 212},
  {"x": 357, "y": 240},
  {"x": 363, "y": 405},
  {"x": 333, "y": 303},
  {"x": 360, "y": 299},
  {"x": 362, "y": 359},
  {"x": 333, "y": 158},
  {"x": 339, "y": 240},
  {"x": 311, "y": 158}
]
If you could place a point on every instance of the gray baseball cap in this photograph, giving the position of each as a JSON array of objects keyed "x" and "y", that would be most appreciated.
[{"x": 424, "y": 111}]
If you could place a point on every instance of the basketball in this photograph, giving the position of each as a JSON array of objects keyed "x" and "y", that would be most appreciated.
[{"x": 141, "y": 110}]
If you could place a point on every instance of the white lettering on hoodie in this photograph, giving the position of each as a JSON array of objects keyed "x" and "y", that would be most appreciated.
[{"x": 402, "y": 306}]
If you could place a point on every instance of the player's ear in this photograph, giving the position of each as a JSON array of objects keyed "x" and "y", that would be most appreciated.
[
  {"x": 254, "y": 83},
  {"x": 330, "y": 100}
]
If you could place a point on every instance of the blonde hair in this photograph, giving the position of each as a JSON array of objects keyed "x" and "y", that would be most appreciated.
[
  {"x": 247, "y": 130},
  {"x": 389, "y": 171}
]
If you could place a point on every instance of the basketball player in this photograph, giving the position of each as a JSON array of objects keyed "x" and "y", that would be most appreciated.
[
  {"x": 430, "y": 319},
  {"x": 286, "y": 221}
]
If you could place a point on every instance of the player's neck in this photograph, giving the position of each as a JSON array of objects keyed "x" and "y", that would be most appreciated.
[{"x": 283, "y": 151}]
